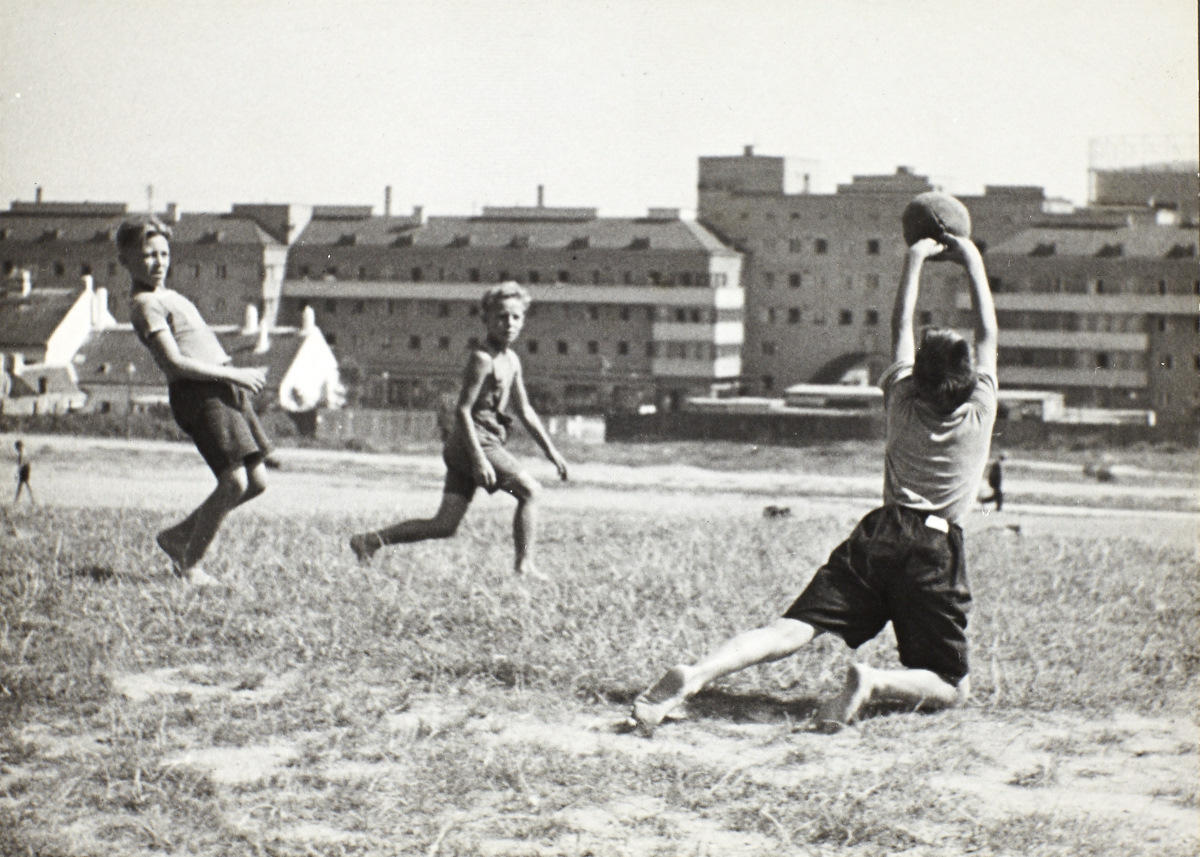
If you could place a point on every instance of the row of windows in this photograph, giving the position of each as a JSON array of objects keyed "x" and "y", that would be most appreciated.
[
  {"x": 621, "y": 348},
  {"x": 446, "y": 309},
  {"x": 795, "y": 280},
  {"x": 1089, "y": 285},
  {"x": 818, "y": 246},
  {"x": 59, "y": 269},
  {"x": 795, "y": 315},
  {"x": 477, "y": 275}
]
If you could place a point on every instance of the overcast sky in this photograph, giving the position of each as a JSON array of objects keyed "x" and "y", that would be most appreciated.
[{"x": 607, "y": 103}]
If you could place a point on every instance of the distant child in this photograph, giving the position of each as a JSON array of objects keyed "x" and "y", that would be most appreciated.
[
  {"x": 904, "y": 562},
  {"x": 209, "y": 396},
  {"x": 474, "y": 450},
  {"x": 24, "y": 470},
  {"x": 995, "y": 480}
]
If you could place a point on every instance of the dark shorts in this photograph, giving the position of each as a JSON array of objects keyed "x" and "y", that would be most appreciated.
[
  {"x": 220, "y": 420},
  {"x": 460, "y": 480},
  {"x": 895, "y": 567}
]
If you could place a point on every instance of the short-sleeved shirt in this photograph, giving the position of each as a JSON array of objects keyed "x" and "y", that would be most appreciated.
[
  {"x": 166, "y": 309},
  {"x": 933, "y": 462}
]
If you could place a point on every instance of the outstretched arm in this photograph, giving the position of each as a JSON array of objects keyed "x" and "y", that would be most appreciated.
[
  {"x": 478, "y": 366},
  {"x": 904, "y": 343},
  {"x": 533, "y": 423},
  {"x": 982, "y": 304},
  {"x": 171, "y": 360}
]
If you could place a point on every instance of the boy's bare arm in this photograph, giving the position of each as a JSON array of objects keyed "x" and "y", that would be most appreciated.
[
  {"x": 170, "y": 359},
  {"x": 987, "y": 329},
  {"x": 478, "y": 366},
  {"x": 904, "y": 343},
  {"x": 533, "y": 422}
]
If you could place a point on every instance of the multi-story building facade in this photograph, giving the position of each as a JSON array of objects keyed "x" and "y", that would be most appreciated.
[
  {"x": 626, "y": 310},
  {"x": 1105, "y": 313},
  {"x": 820, "y": 269},
  {"x": 222, "y": 262}
]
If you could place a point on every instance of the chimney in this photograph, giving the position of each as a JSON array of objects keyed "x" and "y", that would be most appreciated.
[
  {"x": 418, "y": 213},
  {"x": 18, "y": 363},
  {"x": 308, "y": 321},
  {"x": 264, "y": 339},
  {"x": 26, "y": 282},
  {"x": 387, "y": 201},
  {"x": 250, "y": 325},
  {"x": 172, "y": 212},
  {"x": 748, "y": 151},
  {"x": 37, "y": 194},
  {"x": 100, "y": 308},
  {"x": 541, "y": 196},
  {"x": 88, "y": 282}
]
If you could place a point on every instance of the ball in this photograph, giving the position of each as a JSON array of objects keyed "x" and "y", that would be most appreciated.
[{"x": 932, "y": 215}]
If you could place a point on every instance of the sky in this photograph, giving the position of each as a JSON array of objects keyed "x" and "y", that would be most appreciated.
[{"x": 457, "y": 104}]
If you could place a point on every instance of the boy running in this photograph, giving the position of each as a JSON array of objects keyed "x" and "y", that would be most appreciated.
[
  {"x": 474, "y": 452},
  {"x": 904, "y": 562},
  {"x": 209, "y": 396}
]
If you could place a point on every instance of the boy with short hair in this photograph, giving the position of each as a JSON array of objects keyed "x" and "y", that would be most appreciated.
[
  {"x": 904, "y": 562},
  {"x": 474, "y": 452},
  {"x": 209, "y": 396}
]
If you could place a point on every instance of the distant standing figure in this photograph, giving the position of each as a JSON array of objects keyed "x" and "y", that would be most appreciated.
[
  {"x": 474, "y": 450},
  {"x": 995, "y": 480},
  {"x": 24, "y": 469}
]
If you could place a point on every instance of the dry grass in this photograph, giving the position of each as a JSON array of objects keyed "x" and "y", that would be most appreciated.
[{"x": 432, "y": 704}]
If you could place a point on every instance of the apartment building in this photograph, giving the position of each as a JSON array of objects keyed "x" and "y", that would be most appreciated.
[
  {"x": 820, "y": 269},
  {"x": 1105, "y": 313},
  {"x": 626, "y": 311}
]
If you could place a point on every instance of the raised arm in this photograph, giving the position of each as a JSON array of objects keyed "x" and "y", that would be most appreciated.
[
  {"x": 172, "y": 361},
  {"x": 904, "y": 343},
  {"x": 982, "y": 304},
  {"x": 533, "y": 423}
]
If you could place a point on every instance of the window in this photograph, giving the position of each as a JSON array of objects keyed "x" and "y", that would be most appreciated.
[
  {"x": 502, "y": 276},
  {"x": 196, "y": 271},
  {"x": 627, "y": 279},
  {"x": 417, "y": 274},
  {"x": 303, "y": 270},
  {"x": 1167, "y": 361},
  {"x": 926, "y": 317},
  {"x": 650, "y": 349},
  {"x": 680, "y": 314},
  {"x": 769, "y": 315},
  {"x": 625, "y": 312},
  {"x": 768, "y": 280},
  {"x": 362, "y": 272},
  {"x": 593, "y": 347},
  {"x": 563, "y": 348},
  {"x": 1103, "y": 360},
  {"x": 873, "y": 247},
  {"x": 597, "y": 277},
  {"x": 564, "y": 276},
  {"x": 871, "y": 318},
  {"x": 473, "y": 275},
  {"x": 821, "y": 246},
  {"x": 223, "y": 271},
  {"x": 795, "y": 245},
  {"x": 391, "y": 307},
  {"x": 872, "y": 281},
  {"x": 331, "y": 306},
  {"x": 768, "y": 348},
  {"x": 414, "y": 343},
  {"x": 59, "y": 269},
  {"x": 1161, "y": 323},
  {"x": 623, "y": 348},
  {"x": 387, "y": 341},
  {"x": 794, "y": 315},
  {"x": 845, "y": 317},
  {"x": 1162, "y": 287},
  {"x": 535, "y": 276},
  {"x": 443, "y": 310},
  {"x": 531, "y": 346},
  {"x": 331, "y": 339},
  {"x": 593, "y": 312},
  {"x": 359, "y": 307},
  {"x": 443, "y": 343},
  {"x": 794, "y": 280},
  {"x": 112, "y": 272}
]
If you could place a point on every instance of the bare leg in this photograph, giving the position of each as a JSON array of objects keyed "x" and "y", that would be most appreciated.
[
  {"x": 525, "y": 519},
  {"x": 442, "y": 525},
  {"x": 760, "y": 645},
  {"x": 919, "y": 688},
  {"x": 231, "y": 487},
  {"x": 174, "y": 540}
]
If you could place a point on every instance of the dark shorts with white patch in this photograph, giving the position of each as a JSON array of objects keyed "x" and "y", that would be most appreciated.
[
  {"x": 220, "y": 420},
  {"x": 894, "y": 567},
  {"x": 459, "y": 476}
]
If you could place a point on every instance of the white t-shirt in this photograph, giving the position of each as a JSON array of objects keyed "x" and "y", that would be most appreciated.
[{"x": 933, "y": 462}]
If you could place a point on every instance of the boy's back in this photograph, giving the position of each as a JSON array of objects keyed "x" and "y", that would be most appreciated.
[{"x": 932, "y": 461}]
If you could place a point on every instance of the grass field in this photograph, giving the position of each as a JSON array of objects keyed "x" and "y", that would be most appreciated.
[{"x": 433, "y": 704}]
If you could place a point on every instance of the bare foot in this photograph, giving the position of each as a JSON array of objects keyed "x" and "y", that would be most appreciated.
[
  {"x": 840, "y": 711},
  {"x": 364, "y": 545},
  {"x": 529, "y": 571},
  {"x": 171, "y": 546},
  {"x": 653, "y": 705},
  {"x": 198, "y": 578}
]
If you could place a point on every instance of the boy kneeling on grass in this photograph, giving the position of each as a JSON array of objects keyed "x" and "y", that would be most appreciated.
[
  {"x": 904, "y": 562},
  {"x": 209, "y": 396},
  {"x": 474, "y": 451}
]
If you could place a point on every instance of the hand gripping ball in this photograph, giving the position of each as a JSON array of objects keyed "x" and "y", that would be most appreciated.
[{"x": 933, "y": 214}]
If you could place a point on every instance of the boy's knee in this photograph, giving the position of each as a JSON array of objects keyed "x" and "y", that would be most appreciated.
[
  {"x": 526, "y": 488},
  {"x": 233, "y": 483}
]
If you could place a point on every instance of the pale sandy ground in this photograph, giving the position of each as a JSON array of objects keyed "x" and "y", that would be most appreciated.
[{"x": 99, "y": 473}]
